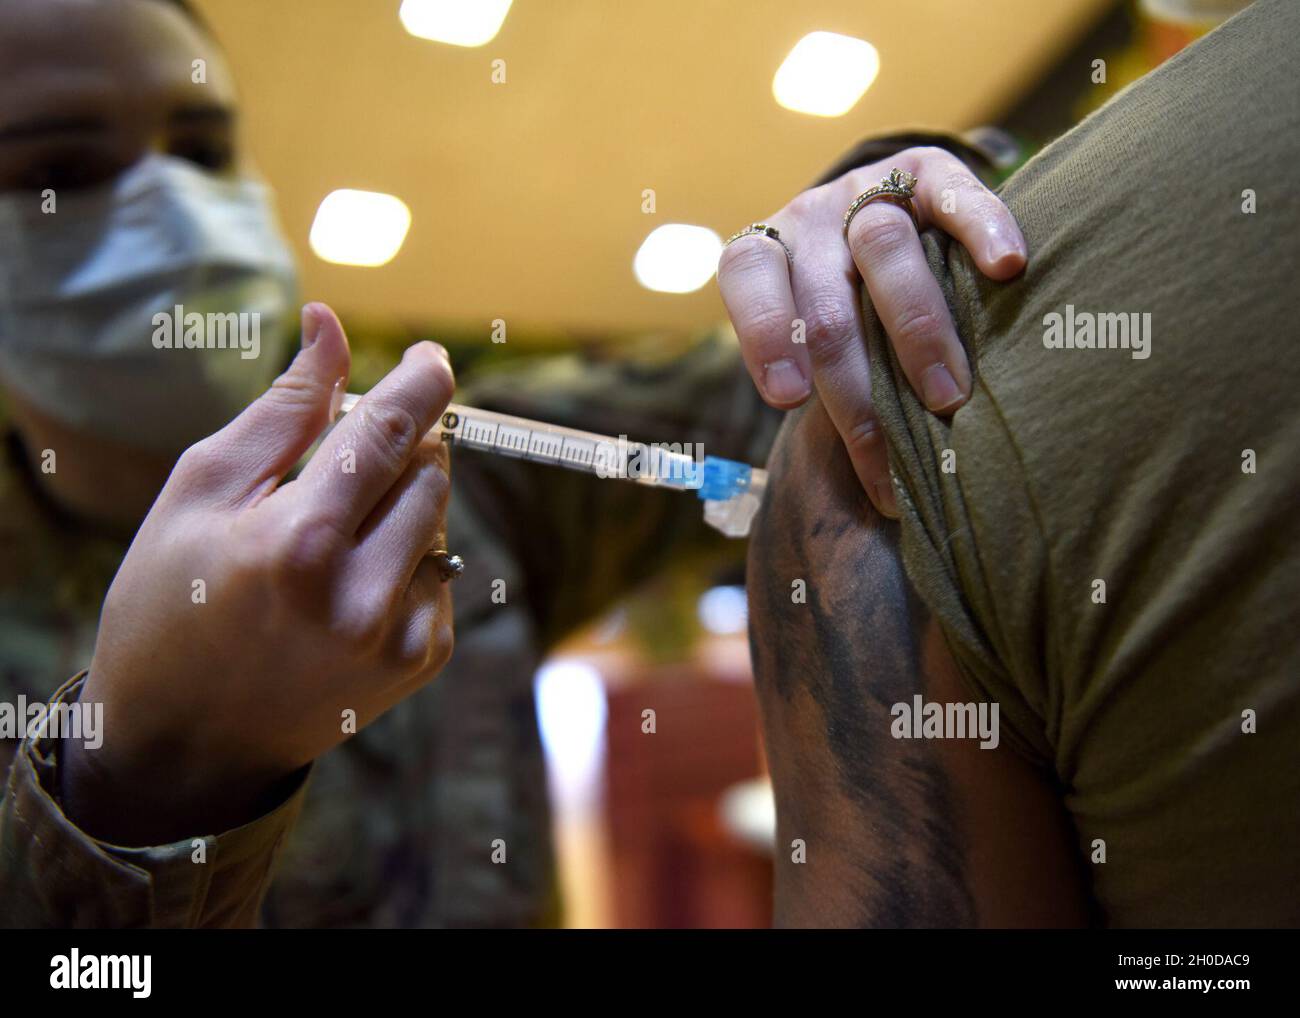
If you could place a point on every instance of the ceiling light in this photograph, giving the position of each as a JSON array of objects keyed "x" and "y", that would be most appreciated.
[
  {"x": 825, "y": 74},
  {"x": 457, "y": 22},
  {"x": 359, "y": 227},
  {"x": 677, "y": 258}
]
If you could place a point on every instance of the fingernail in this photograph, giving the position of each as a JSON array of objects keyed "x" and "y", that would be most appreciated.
[
  {"x": 938, "y": 388},
  {"x": 1001, "y": 246},
  {"x": 336, "y": 398},
  {"x": 999, "y": 252},
  {"x": 784, "y": 382},
  {"x": 885, "y": 500},
  {"x": 311, "y": 325}
]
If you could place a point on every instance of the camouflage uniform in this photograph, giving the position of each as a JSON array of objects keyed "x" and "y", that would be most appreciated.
[{"x": 395, "y": 826}]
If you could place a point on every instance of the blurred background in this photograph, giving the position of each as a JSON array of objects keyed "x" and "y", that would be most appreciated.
[{"x": 522, "y": 179}]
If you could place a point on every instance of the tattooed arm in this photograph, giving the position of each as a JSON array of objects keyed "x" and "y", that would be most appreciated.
[{"x": 894, "y": 832}]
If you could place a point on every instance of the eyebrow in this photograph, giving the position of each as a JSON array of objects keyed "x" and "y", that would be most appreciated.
[
  {"x": 202, "y": 113},
  {"x": 194, "y": 115},
  {"x": 39, "y": 126}
]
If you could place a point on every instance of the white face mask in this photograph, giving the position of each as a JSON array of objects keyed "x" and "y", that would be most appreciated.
[{"x": 115, "y": 307}]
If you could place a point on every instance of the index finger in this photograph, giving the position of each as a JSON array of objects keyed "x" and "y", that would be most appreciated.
[
  {"x": 368, "y": 450},
  {"x": 754, "y": 279}
]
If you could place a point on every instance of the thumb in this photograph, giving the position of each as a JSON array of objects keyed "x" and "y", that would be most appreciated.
[{"x": 257, "y": 448}]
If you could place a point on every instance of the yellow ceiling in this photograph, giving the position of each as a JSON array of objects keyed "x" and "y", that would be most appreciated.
[{"x": 526, "y": 196}]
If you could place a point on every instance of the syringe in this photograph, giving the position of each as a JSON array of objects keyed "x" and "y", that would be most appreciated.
[{"x": 731, "y": 491}]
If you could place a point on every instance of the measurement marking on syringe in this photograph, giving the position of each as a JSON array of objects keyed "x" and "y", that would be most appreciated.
[
  {"x": 577, "y": 452},
  {"x": 609, "y": 457},
  {"x": 605, "y": 457},
  {"x": 479, "y": 433},
  {"x": 544, "y": 445},
  {"x": 512, "y": 439}
]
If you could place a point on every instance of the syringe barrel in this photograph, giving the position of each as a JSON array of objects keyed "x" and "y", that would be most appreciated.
[
  {"x": 731, "y": 491},
  {"x": 602, "y": 455}
]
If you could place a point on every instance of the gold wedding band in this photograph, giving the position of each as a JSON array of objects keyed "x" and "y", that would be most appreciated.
[
  {"x": 761, "y": 230},
  {"x": 449, "y": 566},
  {"x": 898, "y": 189}
]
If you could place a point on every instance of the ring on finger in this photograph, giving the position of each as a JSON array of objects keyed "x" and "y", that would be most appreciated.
[
  {"x": 761, "y": 230},
  {"x": 898, "y": 189},
  {"x": 449, "y": 566}
]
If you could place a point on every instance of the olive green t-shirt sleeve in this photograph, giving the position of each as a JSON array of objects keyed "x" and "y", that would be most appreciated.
[
  {"x": 1107, "y": 531},
  {"x": 54, "y": 875}
]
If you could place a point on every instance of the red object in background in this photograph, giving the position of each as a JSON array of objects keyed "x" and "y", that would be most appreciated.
[
  {"x": 674, "y": 864},
  {"x": 1164, "y": 39},
  {"x": 1172, "y": 25}
]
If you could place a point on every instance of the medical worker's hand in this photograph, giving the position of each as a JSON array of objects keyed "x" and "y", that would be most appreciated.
[{"x": 251, "y": 619}]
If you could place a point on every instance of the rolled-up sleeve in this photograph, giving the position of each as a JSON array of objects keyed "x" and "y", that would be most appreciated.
[{"x": 53, "y": 874}]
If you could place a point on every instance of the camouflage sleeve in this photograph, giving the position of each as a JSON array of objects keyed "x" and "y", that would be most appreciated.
[
  {"x": 54, "y": 875},
  {"x": 578, "y": 542}
]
